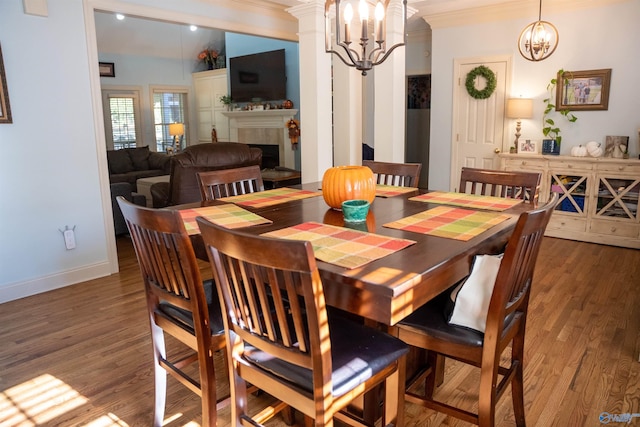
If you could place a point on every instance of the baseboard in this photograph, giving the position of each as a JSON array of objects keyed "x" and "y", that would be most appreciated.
[{"x": 14, "y": 291}]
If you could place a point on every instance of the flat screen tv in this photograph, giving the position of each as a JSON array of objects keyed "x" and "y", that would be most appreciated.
[{"x": 258, "y": 77}]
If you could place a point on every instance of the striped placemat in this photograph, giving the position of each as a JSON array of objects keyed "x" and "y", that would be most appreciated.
[
  {"x": 452, "y": 223},
  {"x": 229, "y": 216},
  {"x": 342, "y": 246},
  {"x": 468, "y": 200},
  {"x": 383, "y": 190},
  {"x": 276, "y": 196}
]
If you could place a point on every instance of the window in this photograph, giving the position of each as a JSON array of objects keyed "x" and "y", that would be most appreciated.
[
  {"x": 122, "y": 118},
  {"x": 169, "y": 106}
]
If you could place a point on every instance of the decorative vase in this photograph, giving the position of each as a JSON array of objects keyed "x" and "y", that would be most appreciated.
[
  {"x": 288, "y": 104},
  {"x": 342, "y": 183}
]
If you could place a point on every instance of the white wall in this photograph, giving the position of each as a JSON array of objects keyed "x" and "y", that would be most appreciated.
[
  {"x": 594, "y": 38},
  {"x": 51, "y": 172}
]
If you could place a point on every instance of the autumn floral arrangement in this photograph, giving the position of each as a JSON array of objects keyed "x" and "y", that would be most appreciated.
[{"x": 209, "y": 56}]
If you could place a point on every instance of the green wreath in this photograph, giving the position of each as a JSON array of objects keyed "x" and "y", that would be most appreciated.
[{"x": 490, "y": 78}]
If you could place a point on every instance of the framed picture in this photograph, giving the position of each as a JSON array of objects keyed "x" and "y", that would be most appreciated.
[
  {"x": 583, "y": 90},
  {"x": 107, "y": 69},
  {"x": 419, "y": 92},
  {"x": 5, "y": 109},
  {"x": 528, "y": 146}
]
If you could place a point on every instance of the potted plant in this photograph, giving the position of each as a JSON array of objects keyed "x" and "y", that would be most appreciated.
[
  {"x": 549, "y": 128},
  {"x": 226, "y": 100}
]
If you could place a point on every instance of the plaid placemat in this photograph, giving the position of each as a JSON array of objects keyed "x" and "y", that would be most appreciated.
[
  {"x": 261, "y": 199},
  {"x": 229, "y": 216},
  {"x": 342, "y": 246},
  {"x": 468, "y": 200},
  {"x": 383, "y": 190},
  {"x": 453, "y": 223}
]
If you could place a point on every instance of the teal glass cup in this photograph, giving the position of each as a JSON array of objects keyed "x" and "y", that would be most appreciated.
[{"x": 355, "y": 210}]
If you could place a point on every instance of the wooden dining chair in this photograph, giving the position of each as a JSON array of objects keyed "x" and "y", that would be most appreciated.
[
  {"x": 428, "y": 328},
  {"x": 399, "y": 174},
  {"x": 281, "y": 338},
  {"x": 230, "y": 182},
  {"x": 488, "y": 182},
  {"x": 179, "y": 304}
]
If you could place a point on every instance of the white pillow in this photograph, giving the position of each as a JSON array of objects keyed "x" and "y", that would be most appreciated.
[{"x": 472, "y": 297}]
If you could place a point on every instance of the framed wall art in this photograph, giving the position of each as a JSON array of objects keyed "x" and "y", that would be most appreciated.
[
  {"x": 583, "y": 90},
  {"x": 107, "y": 69},
  {"x": 419, "y": 92},
  {"x": 5, "y": 108}
]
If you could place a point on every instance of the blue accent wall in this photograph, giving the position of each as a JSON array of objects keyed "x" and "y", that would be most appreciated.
[{"x": 241, "y": 44}]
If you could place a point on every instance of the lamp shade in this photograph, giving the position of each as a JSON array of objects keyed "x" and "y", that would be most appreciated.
[
  {"x": 519, "y": 108},
  {"x": 176, "y": 129}
]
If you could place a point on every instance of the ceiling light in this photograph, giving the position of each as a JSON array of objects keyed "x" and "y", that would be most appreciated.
[
  {"x": 363, "y": 60},
  {"x": 538, "y": 40},
  {"x": 119, "y": 16},
  {"x": 193, "y": 27}
]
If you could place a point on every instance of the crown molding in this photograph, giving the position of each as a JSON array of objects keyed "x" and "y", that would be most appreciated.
[{"x": 438, "y": 18}]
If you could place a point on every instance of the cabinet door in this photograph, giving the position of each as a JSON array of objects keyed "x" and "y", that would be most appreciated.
[
  {"x": 204, "y": 107},
  {"x": 617, "y": 197},
  {"x": 573, "y": 190}
]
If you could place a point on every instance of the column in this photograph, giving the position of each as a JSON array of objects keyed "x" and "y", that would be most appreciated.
[
  {"x": 315, "y": 91},
  {"x": 390, "y": 96}
]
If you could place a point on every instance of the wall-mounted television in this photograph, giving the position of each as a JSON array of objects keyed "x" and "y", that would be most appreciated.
[{"x": 258, "y": 77}]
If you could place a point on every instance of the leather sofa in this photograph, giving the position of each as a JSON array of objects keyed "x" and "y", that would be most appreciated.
[
  {"x": 184, "y": 166},
  {"x": 123, "y": 189},
  {"x": 130, "y": 164}
]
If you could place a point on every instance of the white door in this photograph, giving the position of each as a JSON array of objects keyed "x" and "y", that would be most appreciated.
[{"x": 478, "y": 123}]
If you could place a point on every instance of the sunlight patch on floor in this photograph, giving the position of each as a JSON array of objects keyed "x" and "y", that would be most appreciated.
[{"x": 37, "y": 401}]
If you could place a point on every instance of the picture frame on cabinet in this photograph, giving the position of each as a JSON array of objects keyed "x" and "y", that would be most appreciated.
[
  {"x": 5, "y": 108},
  {"x": 528, "y": 146},
  {"x": 583, "y": 90},
  {"x": 107, "y": 69}
]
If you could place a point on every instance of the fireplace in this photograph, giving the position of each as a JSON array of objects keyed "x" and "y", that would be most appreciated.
[
  {"x": 264, "y": 128},
  {"x": 270, "y": 155}
]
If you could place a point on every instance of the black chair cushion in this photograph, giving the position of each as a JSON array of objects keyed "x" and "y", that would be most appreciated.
[
  {"x": 433, "y": 319},
  {"x": 357, "y": 353},
  {"x": 184, "y": 318}
]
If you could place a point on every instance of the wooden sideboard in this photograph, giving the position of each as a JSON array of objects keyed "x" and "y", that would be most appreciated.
[{"x": 598, "y": 196}]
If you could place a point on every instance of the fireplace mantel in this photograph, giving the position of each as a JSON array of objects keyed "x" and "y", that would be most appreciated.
[{"x": 265, "y": 119}]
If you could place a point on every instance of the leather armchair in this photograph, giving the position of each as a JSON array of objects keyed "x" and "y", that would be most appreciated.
[{"x": 183, "y": 182}]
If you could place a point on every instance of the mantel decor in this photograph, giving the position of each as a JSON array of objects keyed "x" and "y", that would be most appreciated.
[
  {"x": 5, "y": 109},
  {"x": 490, "y": 85},
  {"x": 583, "y": 90}
]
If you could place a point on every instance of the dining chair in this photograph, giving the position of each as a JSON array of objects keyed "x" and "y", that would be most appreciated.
[
  {"x": 399, "y": 174},
  {"x": 230, "y": 182},
  {"x": 179, "y": 304},
  {"x": 282, "y": 339},
  {"x": 488, "y": 182},
  {"x": 428, "y": 328}
]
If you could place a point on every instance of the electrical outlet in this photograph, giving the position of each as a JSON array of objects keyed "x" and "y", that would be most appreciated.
[{"x": 69, "y": 239}]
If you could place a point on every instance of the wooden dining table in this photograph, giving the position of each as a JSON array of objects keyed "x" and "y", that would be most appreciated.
[{"x": 387, "y": 289}]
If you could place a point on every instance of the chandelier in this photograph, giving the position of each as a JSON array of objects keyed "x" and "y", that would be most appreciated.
[
  {"x": 538, "y": 40},
  {"x": 373, "y": 51}
]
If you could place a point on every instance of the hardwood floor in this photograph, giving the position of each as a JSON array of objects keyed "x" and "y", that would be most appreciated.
[{"x": 80, "y": 355}]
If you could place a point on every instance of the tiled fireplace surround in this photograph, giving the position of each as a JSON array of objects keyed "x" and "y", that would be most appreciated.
[{"x": 264, "y": 127}]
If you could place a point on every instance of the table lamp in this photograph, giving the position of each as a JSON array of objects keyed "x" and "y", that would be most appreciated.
[
  {"x": 519, "y": 108},
  {"x": 176, "y": 130}
]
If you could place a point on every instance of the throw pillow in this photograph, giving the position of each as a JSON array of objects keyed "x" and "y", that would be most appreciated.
[
  {"x": 140, "y": 157},
  {"x": 472, "y": 296},
  {"x": 119, "y": 161}
]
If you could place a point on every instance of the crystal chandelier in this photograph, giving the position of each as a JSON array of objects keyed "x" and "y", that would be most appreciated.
[
  {"x": 373, "y": 51},
  {"x": 538, "y": 40}
]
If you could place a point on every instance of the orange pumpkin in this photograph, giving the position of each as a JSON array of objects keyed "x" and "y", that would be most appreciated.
[{"x": 342, "y": 183}]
